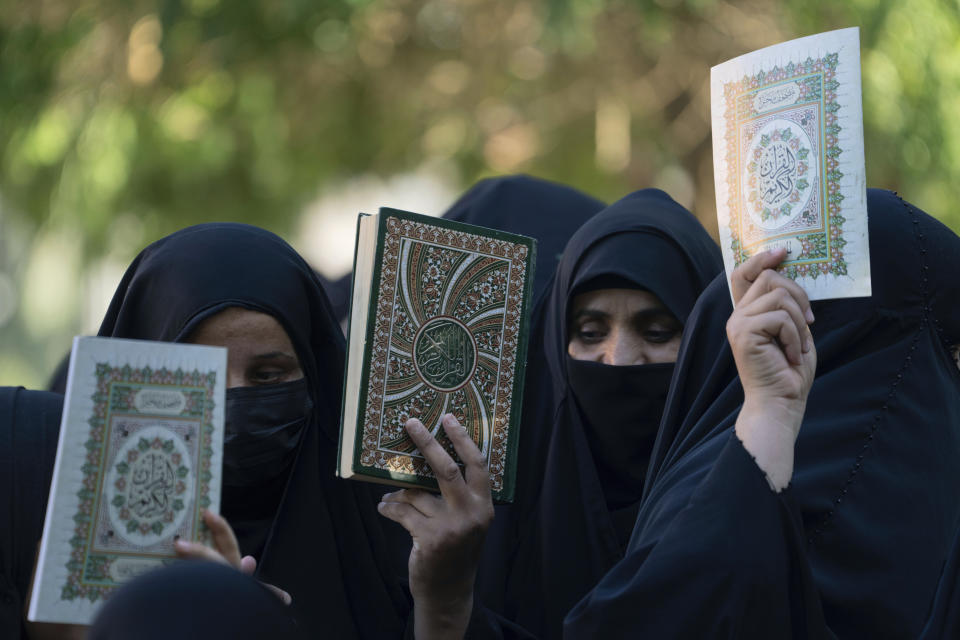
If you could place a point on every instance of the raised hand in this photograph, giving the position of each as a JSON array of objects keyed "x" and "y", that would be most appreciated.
[
  {"x": 447, "y": 530},
  {"x": 776, "y": 359},
  {"x": 226, "y": 550}
]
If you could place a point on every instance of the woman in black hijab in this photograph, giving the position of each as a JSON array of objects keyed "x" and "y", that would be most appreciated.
[
  {"x": 29, "y": 428},
  {"x": 589, "y": 424},
  {"x": 315, "y": 536},
  {"x": 860, "y": 543}
]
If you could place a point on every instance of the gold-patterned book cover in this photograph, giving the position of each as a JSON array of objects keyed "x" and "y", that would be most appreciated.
[{"x": 438, "y": 324}]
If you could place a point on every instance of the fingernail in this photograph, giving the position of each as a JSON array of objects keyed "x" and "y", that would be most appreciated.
[
  {"x": 809, "y": 316},
  {"x": 807, "y": 344},
  {"x": 380, "y": 506},
  {"x": 183, "y": 545},
  {"x": 413, "y": 426}
]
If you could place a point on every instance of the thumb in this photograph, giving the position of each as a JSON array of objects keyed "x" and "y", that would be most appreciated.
[{"x": 248, "y": 565}]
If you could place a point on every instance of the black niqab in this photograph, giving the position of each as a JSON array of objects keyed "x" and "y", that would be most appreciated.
[
  {"x": 29, "y": 430},
  {"x": 860, "y": 544},
  {"x": 326, "y": 545},
  {"x": 567, "y": 520}
]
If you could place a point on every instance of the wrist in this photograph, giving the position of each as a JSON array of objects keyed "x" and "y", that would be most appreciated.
[
  {"x": 768, "y": 431},
  {"x": 446, "y": 617},
  {"x": 780, "y": 413}
]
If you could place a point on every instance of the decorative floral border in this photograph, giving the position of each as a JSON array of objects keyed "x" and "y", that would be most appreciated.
[
  {"x": 88, "y": 574},
  {"x": 823, "y": 251},
  {"x": 516, "y": 254}
]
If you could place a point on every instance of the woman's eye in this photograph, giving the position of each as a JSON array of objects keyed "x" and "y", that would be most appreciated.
[
  {"x": 267, "y": 375},
  {"x": 590, "y": 333},
  {"x": 659, "y": 336}
]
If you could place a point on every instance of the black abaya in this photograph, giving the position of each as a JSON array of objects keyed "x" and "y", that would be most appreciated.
[
  {"x": 29, "y": 429},
  {"x": 326, "y": 544},
  {"x": 577, "y": 489},
  {"x": 860, "y": 543}
]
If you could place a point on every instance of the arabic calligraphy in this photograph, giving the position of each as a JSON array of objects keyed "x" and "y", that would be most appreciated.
[
  {"x": 778, "y": 172},
  {"x": 152, "y": 483},
  {"x": 776, "y": 97},
  {"x": 165, "y": 401},
  {"x": 444, "y": 354}
]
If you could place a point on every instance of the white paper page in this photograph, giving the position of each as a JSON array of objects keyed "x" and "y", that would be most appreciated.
[{"x": 788, "y": 161}]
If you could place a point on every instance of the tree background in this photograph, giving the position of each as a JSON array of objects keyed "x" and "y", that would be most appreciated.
[{"x": 124, "y": 120}]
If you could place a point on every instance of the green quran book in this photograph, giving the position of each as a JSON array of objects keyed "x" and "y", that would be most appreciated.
[{"x": 438, "y": 324}]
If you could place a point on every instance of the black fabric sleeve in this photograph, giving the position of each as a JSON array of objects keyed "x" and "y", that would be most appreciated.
[
  {"x": 485, "y": 624},
  {"x": 732, "y": 564},
  {"x": 29, "y": 429}
]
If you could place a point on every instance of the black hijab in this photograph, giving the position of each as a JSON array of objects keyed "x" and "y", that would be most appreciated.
[
  {"x": 857, "y": 545},
  {"x": 241, "y": 609},
  {"x": 326, "y": 545},
  {"x": 29, "y": 429},
  {"x": 547, "y": 211},
  {"x": 567, "y": 513}
]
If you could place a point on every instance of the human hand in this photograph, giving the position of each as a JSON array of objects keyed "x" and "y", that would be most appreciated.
[
  {"x": 226, "y": 550},
  {"x": 768, "y": 331},
  {"x": 776, "y": 359},
  {"x": 447, "y": 530}
]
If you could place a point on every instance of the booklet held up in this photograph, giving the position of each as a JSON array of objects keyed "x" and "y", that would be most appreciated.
[
  {"x": 138, "y": 460},
  {"x": 789, "y": 164}
]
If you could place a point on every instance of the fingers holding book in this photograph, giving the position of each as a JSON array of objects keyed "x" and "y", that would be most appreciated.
[
  {"x": 447, "y": 530},
  {"x": 226, "y": 550},
  {"x": 769, "y": 333}
]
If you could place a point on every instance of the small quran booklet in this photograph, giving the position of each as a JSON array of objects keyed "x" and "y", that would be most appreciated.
[
  {"x": 438, "y": 324},
  {"x": 788, "y": 161},
  {"x": 139, "y": 458}
]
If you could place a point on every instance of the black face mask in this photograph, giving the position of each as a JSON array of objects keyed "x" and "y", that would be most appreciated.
[
  {"x": 263, "y": 429},
  {"x": 621, "y": 409}
]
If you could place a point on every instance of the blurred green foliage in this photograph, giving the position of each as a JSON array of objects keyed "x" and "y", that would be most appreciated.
[{"x": 122, "y": 120}]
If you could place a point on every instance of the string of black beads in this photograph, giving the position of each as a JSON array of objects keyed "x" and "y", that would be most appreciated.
[{"x": 883, "y": 412}]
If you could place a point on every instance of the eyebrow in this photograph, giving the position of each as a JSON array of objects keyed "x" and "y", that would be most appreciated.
[
  {"x": 274, "y": 355},
  {"x": 646, "y": 314}
]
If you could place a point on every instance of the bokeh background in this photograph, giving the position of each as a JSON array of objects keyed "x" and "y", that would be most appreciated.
[{"x": 124, "y": 120}]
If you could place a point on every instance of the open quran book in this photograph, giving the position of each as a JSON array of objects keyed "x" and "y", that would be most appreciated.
[
  {"x": 139, "y": 458},
  {"x": 438, "y": 325}
]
